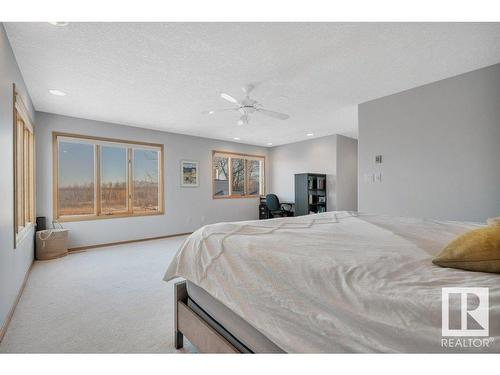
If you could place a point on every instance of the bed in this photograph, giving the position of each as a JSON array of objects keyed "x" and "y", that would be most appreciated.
[{"x": 336, "y": 282}]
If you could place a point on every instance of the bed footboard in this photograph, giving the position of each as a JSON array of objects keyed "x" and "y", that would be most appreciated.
[{"x": 197, "y": 331}]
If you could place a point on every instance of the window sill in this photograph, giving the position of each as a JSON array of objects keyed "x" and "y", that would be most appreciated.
[
  {"x": 67, "y": 219},
  {"x": 23, "y": 234}
]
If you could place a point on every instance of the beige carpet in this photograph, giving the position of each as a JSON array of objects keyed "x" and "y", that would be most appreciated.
[{"x": 108, "y": 300}]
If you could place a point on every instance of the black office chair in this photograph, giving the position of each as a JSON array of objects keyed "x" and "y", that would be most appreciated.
[{"x": 275, "y": 207}]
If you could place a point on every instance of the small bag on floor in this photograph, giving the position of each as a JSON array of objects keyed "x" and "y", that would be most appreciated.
[{"x": 51, "y": 243}]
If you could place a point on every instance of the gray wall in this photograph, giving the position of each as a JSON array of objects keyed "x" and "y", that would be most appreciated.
[
  {"x": 186, "y": 209},
  {"x": 441, "y": 149},
  {"x": 347, "y": 173},
  {"x": 319, "y": 155},
  {"x": 14, "y": 263}
]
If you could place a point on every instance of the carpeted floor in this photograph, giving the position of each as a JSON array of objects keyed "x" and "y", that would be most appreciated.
[{"x": 107, "y": 300}]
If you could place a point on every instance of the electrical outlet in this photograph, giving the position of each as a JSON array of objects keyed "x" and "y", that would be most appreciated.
[{"x": 378, "y": 177}]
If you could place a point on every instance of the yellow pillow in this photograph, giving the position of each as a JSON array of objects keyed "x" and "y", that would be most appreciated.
[{"x": 476, "y": 250}]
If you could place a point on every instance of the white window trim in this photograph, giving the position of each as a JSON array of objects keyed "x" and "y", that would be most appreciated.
[{"x": 23, "y": 233}]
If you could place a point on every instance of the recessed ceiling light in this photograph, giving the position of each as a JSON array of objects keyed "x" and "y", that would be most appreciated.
[
  {"x": 57, "y": 92},
  {"x": 310, "y": 134},
  {"x": 60, "y": 24},
  {"x": 211, "y": 112},
  {"x": 236, "y": 138},
  {"x": 270, "y": 144}
]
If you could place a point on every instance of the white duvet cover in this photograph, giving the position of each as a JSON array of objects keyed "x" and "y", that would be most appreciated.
[{"x": 338, "y": 282}]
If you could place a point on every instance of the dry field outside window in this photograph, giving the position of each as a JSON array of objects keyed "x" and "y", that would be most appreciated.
[{"x": 103, "y": 178}]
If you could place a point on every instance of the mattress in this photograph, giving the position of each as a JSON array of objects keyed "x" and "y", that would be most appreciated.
[
  {"x": 336, "y": 282},
  {"x": 236, "y": 330}
]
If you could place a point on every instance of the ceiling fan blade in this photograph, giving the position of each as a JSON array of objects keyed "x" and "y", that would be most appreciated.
[
  {"x": 229, "y": 98},
  {"x": 273, "y": 114},
  {"x": 212, "y": 111}
]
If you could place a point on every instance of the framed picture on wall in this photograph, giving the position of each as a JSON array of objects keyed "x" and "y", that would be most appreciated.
[{"x": 189, "y": 173}]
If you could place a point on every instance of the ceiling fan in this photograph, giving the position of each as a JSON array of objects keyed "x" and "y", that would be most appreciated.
[{"x": 247, "y": 106}]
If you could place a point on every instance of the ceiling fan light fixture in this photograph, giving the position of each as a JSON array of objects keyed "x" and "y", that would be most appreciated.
[
  {"x": 243, "y": 120},
  {"x": 247, "y": 106}
]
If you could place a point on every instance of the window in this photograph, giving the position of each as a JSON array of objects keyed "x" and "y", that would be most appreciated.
[
  {"x": 98, "y": 178},
  {"x": 221, "y": 175},
  {"x": 237, "y": 175},
  {"x": 114, "y": 168},
  {"x": 24, "y": 169},
  {"x": 76, "y": 178},
  {"x": 145, "y": 180}
]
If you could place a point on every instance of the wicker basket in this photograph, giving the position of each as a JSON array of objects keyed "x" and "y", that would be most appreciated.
[{"x": 51, "y": 243}]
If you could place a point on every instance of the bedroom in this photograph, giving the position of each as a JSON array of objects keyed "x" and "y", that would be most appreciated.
[{"x": 257, "y": 187}]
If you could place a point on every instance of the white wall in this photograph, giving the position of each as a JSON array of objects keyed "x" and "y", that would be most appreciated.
[
  {"x": 186, "y": 209},
  {"x": 441, "y": 149},
  {"x": 14, "y": 263},
  {"x": 319, "y": 155}
]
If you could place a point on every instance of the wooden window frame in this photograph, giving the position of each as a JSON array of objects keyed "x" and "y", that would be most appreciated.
[
  {"x": 98, "y": 215},
  {"x": 23, "y": 169},
  {"x": 235, "y": 155}
]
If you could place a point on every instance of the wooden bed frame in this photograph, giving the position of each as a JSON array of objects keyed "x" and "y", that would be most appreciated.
[{"x": 191, "y": 325}]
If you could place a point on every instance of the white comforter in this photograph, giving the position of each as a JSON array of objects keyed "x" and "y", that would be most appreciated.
[{"x": 335, "y": 282}]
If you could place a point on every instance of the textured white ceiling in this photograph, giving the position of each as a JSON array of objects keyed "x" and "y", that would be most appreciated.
[{"x": 162, "y": 75}]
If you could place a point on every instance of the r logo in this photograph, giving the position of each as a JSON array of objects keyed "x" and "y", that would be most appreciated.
[{"x": 465, "y": 312}]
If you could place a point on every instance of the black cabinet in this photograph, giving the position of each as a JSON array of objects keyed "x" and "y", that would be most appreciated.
[
  {"x": 310, "y": 193},
  {"x": 263, "y": 211}
]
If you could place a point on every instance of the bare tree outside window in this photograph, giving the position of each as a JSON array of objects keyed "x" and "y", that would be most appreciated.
[
  {"x": 254, "y": 183},
  {"x": 221, "y": 176},
  {"x": 237, "y": 175},
  {"x": 145, "y": 180}
]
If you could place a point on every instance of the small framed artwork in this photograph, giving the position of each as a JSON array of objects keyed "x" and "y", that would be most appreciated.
[{"x": 189, "y": 173}]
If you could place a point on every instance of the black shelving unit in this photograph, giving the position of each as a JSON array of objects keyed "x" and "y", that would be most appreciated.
[{"x": 310, "y": 193}]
